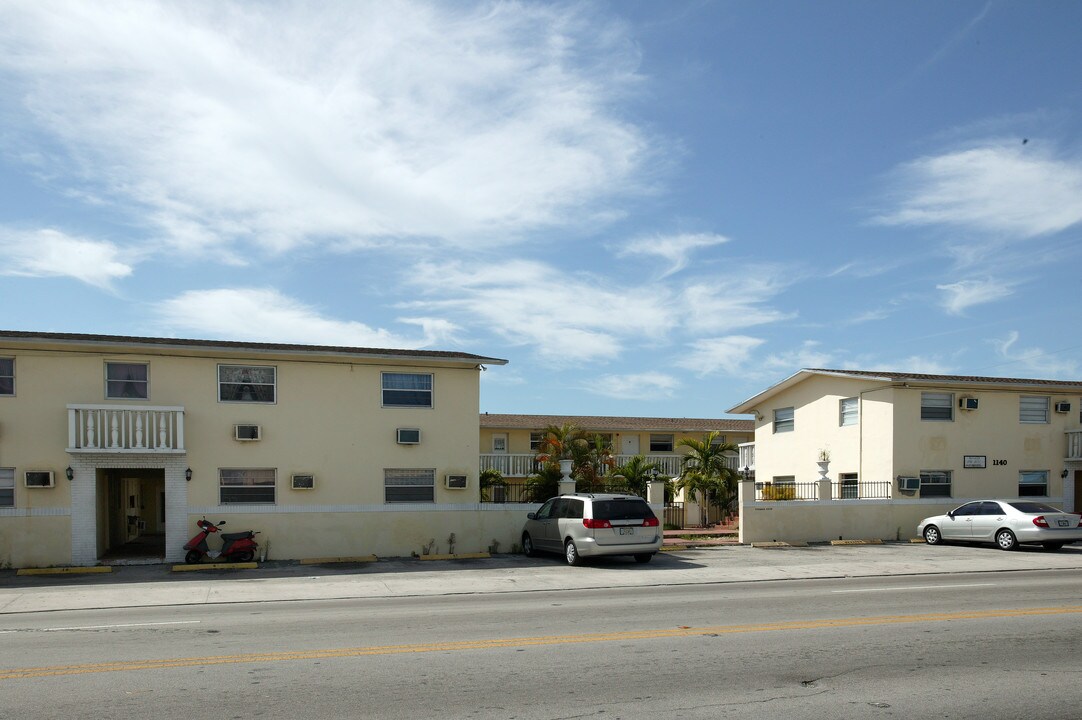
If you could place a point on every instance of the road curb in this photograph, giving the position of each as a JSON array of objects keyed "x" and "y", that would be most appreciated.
[
  {"x": 65, "y": 570},
  {"x": 457, "y": 556},
  {"x": 216, "y": 566},
  {"x": 329, "y": 560}
]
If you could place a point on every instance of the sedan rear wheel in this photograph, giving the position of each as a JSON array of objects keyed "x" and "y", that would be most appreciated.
[
  {"x": 932, "y": 536},
  {"x": 571, "y": 553},
  {"x": 1006, "y": 539}
]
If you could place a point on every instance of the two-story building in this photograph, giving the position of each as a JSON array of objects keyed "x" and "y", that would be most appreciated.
[
  {"x": 108, "y": 442},
  {"x": 848, "y": 453}
]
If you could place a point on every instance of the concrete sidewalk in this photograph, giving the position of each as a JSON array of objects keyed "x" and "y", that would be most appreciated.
[{"x": 155, "y": 585}]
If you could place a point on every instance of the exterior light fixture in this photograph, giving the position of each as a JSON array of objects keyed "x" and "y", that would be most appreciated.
[
  {"x": 188, "y": 474},
  {"x": 653, "y": 473},
  {"x": 746, "y": 472},
  {"x": 1065, "y": 473},
  {"x": 70, "y": 474}
]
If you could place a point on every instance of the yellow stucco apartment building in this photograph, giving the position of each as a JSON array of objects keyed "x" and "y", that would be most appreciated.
[
  {"x": 847, "y": 454},
  {"x": 326, "y": 451}
]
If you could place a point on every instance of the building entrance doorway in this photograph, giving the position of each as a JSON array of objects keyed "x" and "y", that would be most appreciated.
[{"x": 131, "y": 515}]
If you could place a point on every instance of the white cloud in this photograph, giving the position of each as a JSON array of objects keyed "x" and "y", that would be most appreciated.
[
  {"x": 1034, "y": 361},
  {"x": 966, "y": 293},
  {"x": 279, "y": 124},
  {"x": 1005, "y": 188},
  {"x": 808, "y": 355},
  {"x": 51, "y": 253},
  {"x": 676, "y": 249},
  {"x": 733, "y": 300},
  {"x": 268, "y": 316},
  {"x": 723, "y": 354},
  {"x": 635, "y": 386}
]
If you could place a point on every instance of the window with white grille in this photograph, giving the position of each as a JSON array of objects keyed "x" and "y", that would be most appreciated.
[
  {"x": 1033, "y": 483},
  {"x": 847, "y": 411},
  {"x": 247, "y": 383},
  {"x": 127, "y": 381},
  {"x": 1033, "y": 409},
  {"x": 784, "y": 420},
  {"x": 7, "y": 376},
  {"x": 935, "y": 483},
  {"x": 7, "y": 487},
  {"x": 936, "y": 406},
  {"x": 409, "y": 485},
  {"x": 246, "y": 485}
]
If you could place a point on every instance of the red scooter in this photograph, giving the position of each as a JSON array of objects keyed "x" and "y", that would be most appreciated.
[{"x": 236, "y": 547}]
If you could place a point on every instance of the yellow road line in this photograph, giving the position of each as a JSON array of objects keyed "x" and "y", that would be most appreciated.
[{"x": 165, "y": 663}]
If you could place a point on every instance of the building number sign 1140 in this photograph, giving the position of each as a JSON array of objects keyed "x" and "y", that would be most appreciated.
[{"x": 999, "y": 462}]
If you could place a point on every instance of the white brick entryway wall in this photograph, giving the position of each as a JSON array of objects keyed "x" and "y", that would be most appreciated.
[{"x": 84, "y": 500}]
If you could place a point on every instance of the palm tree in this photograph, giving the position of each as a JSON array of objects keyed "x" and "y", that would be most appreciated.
[
  {"x": 704, "y": 470},
  {"x": 594, "y": 463},
  {"x": 561, "y": 442},
  {"x": 636, "y": 473}
]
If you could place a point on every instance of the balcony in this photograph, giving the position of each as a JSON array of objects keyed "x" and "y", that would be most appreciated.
[
  {"x": 523, "y": 464},
  {"x": 747, "y": 457},
  {"x": 1074, "y": 445},
  {"x": 124, "y": 429}
]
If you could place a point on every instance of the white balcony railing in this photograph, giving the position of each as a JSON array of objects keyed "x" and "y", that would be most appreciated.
[
  {"x": 123, "y": 429},
  {"x": 1074, "y": 445},
  {"x": 747, "y": 457},
  {"x": 523, "y": 464}
]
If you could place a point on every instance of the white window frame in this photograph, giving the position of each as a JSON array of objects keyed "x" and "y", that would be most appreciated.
[
  {"x": 848, "y": 412},
  {"x": 536, "y": 438},
  {"x": 7, "y": 375},
  {"x": 430, "y": 390},
  {"x": 1041, "y": 477},
  {"x": 496, "y": 444},
  {"x": 145, "y": 384},
  {"x": 273, "y": 384},
  {"x": 261, "y": 483},
  {"x": 933, "y": 403},
  {"x": 1034, "y": 414},
  {"x": 7, "y": 485},
  {"x": 409, "y": 478},
  {"x": 784, "y": 419},
  {"x": 665, "y": 442},
  {"x": 930, "y": 477}
]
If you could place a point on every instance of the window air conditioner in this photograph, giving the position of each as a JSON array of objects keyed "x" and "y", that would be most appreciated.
[
  {"x": 409, "y": 436},
  {"x": 967, "y": 403},
  {"x": 1063, "y": 407},
  {"x": 303, "y": 482},
  {"x": 39, "y": 479},
  {"x": 247, "y": 432},
  {"x": 455, "y": 482},
  {"x": 908, "y": 483}
]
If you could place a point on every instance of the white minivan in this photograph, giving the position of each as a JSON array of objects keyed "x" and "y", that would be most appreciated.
[{"x": 585, "y": 525}]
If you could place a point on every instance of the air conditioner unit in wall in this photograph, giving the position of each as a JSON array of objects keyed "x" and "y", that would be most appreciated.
[
  {"x": 455, "y": 482},
  {"x": 908, "y": 483},
  {"x": 409, "y": 436},
  {"x": 1063, "y": 407},
  {"x": 247, "y": 432},
  {"x": 303, "y": 482},
  {"x": 39, "y": 479},
  {"x": 967, "y": 403}
]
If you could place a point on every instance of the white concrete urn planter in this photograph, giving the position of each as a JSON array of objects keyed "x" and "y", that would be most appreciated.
[
  {"x": 565, "y": 469},
  {"x": 824, "y": 465}
]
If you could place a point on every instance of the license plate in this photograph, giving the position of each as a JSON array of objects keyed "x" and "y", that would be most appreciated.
[
  {"x": 1063, "y": 523},
  {"x": 627, "y": 531}
]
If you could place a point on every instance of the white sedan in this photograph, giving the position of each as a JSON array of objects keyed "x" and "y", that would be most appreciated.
[{"x": 1007, "y": 523}]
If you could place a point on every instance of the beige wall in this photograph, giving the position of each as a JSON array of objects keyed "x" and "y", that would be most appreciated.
[
  {"x": 327, "y": 420},
  {"x": 887, "y": 520}
]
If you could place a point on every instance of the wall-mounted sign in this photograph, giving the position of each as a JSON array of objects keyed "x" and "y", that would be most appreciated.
[{"x": 975, "y": 461}]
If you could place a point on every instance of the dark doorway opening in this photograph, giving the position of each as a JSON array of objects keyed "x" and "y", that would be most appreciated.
[{"x": 131, "y": 516}]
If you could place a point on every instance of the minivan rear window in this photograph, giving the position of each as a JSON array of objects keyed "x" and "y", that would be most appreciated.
[{"x": 622, "y": 510}]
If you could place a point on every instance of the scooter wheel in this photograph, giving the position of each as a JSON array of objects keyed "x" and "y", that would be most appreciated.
[
  {"x": 192, "y": 557},
  {"x": 245, "y": 556}
]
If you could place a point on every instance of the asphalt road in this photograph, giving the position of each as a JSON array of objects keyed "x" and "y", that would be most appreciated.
[{"x": 984, "y": 645}]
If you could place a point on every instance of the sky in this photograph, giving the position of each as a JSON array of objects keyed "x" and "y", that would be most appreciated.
[{"x": 648, "y": 208}]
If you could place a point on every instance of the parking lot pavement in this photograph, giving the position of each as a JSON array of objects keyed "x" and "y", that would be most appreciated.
[{"x": 155, "y": 585}]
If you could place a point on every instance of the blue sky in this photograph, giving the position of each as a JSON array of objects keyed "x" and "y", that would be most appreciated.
[{"x": 648, "y": 208}]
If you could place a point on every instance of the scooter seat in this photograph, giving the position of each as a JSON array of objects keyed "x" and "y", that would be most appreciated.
[{"x": 236, "y": 536}]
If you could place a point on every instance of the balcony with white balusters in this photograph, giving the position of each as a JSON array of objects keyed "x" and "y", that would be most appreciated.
[{"x": 124, "y": 429}]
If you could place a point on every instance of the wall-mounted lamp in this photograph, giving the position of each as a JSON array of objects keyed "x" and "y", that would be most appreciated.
[
  {"x": 1065, "y": 473},
  {"x": 69, "y": 474},
  {"x": 188, "y": 474},
  {"x": 746, "y": 472},
  {"x": 653, "y": 473}
]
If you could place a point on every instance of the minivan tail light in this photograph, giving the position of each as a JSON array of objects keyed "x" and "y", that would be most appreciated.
[
  {"x": 1039, "y": 521},
  {"x": 650, "y": 522},
  {"x": 593, "y": 524}
]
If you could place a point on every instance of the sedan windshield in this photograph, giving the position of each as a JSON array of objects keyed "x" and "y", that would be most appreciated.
[{"x": 1033, "y": 507}]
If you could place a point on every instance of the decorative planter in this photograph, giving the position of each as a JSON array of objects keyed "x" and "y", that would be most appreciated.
[
  {"x": 824, "y": 465},
  {"x": 565, "y": 469}
]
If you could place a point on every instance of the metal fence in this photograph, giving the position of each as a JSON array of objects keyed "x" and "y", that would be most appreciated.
[
  {"x": 843, "y": 490},
  {"x": 675, "y": 515},
  {"x": 772, "y": 492},
  {"x": 523, "y": 493},
  {"x": 848, "y": 490}
]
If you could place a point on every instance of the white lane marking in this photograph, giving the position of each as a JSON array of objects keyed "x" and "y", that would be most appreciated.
[
  {"x": 915, "y": 587},
  {"x": 104, "y": 627}
]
